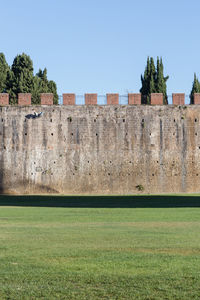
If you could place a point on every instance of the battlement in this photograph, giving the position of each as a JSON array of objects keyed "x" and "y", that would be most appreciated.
[{"x": 91, "y": 99}]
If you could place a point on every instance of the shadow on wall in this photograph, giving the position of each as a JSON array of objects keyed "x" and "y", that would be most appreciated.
[
  {"x": 137, "y": 201},
  {"x": 1, "y": 169},
  {"x": 1, "y": 178}
]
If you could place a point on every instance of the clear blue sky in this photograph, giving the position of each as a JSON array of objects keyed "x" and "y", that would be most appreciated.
[{"x": 102, "y": 45}]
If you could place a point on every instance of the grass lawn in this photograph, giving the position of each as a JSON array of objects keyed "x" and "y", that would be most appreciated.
[{"x": 126, "y": 247}]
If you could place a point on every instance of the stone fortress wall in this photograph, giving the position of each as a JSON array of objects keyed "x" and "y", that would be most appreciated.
[{"x": 92, "y": 149}]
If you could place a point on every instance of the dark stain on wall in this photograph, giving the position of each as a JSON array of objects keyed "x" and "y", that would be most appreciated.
[{"x": 184, "y": 159}]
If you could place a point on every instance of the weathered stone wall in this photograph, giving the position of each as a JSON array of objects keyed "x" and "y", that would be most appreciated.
[{"x": 100, "y": 149}]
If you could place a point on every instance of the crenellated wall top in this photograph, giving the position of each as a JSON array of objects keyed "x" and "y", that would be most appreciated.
[{"x": 91, "y": 99}]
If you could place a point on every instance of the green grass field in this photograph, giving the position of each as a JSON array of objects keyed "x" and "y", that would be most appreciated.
[{"x": 123, "y": 247}]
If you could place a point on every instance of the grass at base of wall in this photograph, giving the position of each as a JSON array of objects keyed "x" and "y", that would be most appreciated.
[{"x": 83, "y": 252}]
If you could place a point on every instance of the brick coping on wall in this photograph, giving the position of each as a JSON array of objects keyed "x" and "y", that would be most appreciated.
[{"x": 24, "y": 99}]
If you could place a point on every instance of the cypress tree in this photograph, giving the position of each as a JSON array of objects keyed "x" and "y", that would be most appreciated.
[
  {"x": 145, "y": 83},
  {"x": 152, "y": 68},
  {"x": 151, "y": 85},
  {"x": 153, "y": 81},
  {"x": 195, "y": 88},
  {"x": 160, "y": 80}
]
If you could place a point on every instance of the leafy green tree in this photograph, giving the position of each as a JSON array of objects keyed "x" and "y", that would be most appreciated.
[
  {"x": 36, "y": 90},
  {"x": 195, "y": 88},
  {"x": 153, "y": 81},
  {"x": 44, "y": 86},
  {"x": 22, "y": 78},
  {"x": 4, "y": 70},
  {"x": 9, "y": 87},
  {"x": 43, "y": 80},
  {"x": 53, "y": 89}
]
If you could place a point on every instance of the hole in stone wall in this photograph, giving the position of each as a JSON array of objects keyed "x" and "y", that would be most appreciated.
[
  {"x": 195, "y": 133},
  {"x": 4, "y": 147},
  {"x": 73, "y": 174},
  {"x": 96, "y": 134},
  {"x": 174, "y": 120},
  {"x": 195, "y": 120},
  {"x": 52, "y": 134},
  {"x": 197, "y": 174},
  {"x": 34, "y": 162},
  {"x": 152, "y": 174},
  {"x": 142, "y": 123},
  {"x": 31, "y": 173},
  {"x": 150, "y": 133},
  {"x": 157, "y": 161},
  {"x": 54, "y": 162},
  {"x": 50, "y": 120},
  {"x": 69, "y": 119},
  {"x": 89, "y": 174},
  {"x": 130, "y": 162},
  {"x": 1, "y": 120},
  {"x": 199, "y": 147},
  {"x": 95, "y": 120},
  {"x": 173, "y": 133},
  {"x": 51, "y": 173},
  {"x": 110, "y": 162},
  {"x": 88, "y": 161},
  {"x": 108, "y": 174},
  {"x": 123, "y": 120},
  {"x": 72, "y": 133},
  {"x": 25, "y": 133}
]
